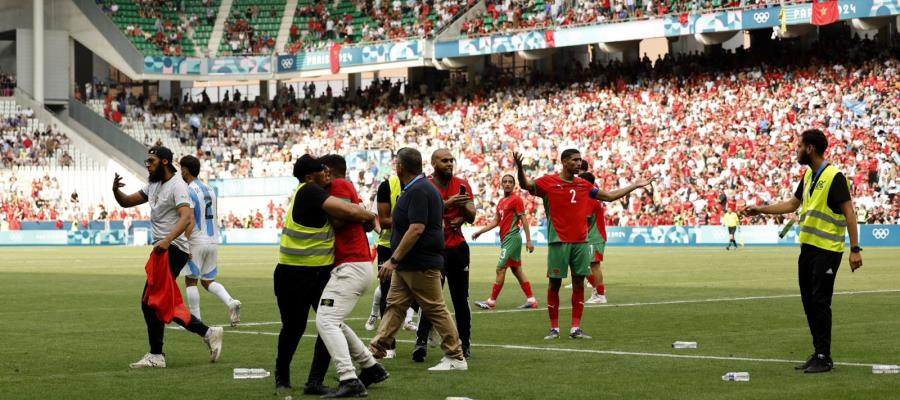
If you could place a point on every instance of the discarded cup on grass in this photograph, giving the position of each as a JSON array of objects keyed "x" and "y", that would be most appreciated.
[
  {"x": 736, "y": 377},
  {"x": 250, "y": 373},
  {"x": 684, "y": 345},
  {"x": 886, "y": 369}
]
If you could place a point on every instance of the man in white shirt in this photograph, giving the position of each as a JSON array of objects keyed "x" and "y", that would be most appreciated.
[
  {"x": 170, "y": 216},
  {"x": 204, "y": 241}
]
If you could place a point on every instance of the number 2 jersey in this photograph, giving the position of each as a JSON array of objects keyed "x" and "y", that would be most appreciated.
[
  {"x": 206, "y": 229},
  {"x": 568, "y": 206}
]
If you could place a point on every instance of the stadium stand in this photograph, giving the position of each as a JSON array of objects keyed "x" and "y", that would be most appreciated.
[
  {"x": 162, "y": 27},
  {"x": 728, "y": 124},
  {"x": 252, "y": 27}
]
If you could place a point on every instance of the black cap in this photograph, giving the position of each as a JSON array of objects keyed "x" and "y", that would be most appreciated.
[
  {"x": 307, "y": 164},
  {"x": 163, "y": 153}
]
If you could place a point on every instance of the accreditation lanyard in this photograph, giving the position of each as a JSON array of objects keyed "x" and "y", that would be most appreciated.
[
  {"x": 815, "y": 178},
  {"x": 412, "y": 182}
]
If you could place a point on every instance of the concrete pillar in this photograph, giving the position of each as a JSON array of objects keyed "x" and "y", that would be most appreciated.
[
  {"x": 38, "y": 50},
  {"x": 354, "y": 82},
  {"x": 263, "y": 90},
  {"x": 475, "y": 70}
]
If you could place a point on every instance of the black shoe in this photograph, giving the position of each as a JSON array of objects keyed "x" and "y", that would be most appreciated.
[
  {"x": 419, "y": 353},
  {"x": 373, "y": 375},
  {"x": 805, "y": 365},
  {"x": 467, "y": 353},
  {"x": 283, "y": 390},
  {"x": 348, "y": 388},
  {"x": 316, "y": 388},
  {"x": 820, "y": 363}
]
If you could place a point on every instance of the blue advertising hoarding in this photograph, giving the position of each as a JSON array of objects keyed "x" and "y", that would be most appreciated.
[{"x": 351, "y": 56}]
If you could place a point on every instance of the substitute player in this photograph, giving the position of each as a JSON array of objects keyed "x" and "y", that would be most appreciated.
[
  {"x": 204, "y": 243},
  {"x": 568, "y": 201},
  {"x": 597, "y": 241},
  {"x": 510, "y": 214}
]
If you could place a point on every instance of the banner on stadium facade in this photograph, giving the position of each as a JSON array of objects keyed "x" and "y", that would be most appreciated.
[
  {"x": 164, "y": 65},
  {"x": 668, "y": 26},
  {"x": 351, "y": 56},
  {"x": 95, "y": 237},
  {"x": 33, "y": 238},
  {"x": 761, "y": 18},
  {"x": 250, "y": 65}
]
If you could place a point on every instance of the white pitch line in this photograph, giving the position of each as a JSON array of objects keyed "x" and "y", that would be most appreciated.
[
  {"x": 652, "y": 303},
  {"x": 604, "y": 352},
  {"x": 694, "y": 301}
]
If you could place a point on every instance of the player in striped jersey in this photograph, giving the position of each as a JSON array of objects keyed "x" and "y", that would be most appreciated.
[{"x": 204, "y": 243}]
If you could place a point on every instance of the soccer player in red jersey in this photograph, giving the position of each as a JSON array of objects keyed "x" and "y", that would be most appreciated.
[
  {"x": 459, "y": 208},
  {"x": 569, "y": 202},
  {"x": 597, "y": 241},
  {"x": 510, "y": 214}
]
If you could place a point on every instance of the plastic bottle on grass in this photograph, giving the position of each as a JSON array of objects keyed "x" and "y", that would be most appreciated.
[
  {"x": 736, "y": 377},
  {"x": 886, "y": 369},
  {"x": 250, "y": 373},
  {"x": 684, "y": 345}
]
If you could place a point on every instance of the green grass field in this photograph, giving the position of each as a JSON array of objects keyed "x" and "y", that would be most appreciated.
[{"x": 70, "y": 324}]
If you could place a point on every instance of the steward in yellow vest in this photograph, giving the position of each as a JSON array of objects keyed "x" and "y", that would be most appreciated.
[
  {"x": 826, "y": 215},
  {"x": 305, "y": 262}
]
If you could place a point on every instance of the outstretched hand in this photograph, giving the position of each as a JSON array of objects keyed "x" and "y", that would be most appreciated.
[
  {"x": 750, "y": 211},
  {"x": 117, "y": 182}
]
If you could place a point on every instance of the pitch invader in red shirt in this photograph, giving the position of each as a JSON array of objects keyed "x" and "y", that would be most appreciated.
[
  {"x": 569, "y": 202},
  {"x": 459, "y": 208},
  {"x": 510, "y": 214}
]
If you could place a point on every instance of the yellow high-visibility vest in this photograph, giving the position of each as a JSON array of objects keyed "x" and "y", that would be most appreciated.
[
  {"x": 819, "y": 226},
  {"x": 384, "y": 240},
  {"x": 305, "y": 246}
]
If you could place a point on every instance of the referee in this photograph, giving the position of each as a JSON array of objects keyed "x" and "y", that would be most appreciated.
[{"x": 827, "y": 213}]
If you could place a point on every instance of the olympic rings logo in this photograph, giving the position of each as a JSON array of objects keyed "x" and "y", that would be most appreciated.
[
  {"x": 761, "y": 17},
  {"x": 881, "y": 233}
]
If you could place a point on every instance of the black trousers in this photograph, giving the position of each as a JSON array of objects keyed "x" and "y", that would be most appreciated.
[
  {"x": 456, "y": 273},
  {"x": 384, "y": 253},
  {"x": 297, "y": 289},
  {"x": 817, "y": 269},
  {"x": 156, "y": 329}
]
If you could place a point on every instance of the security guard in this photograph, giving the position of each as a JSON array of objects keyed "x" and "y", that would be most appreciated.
[
  {"x": 731, "y": 221},
  {"x": 827, "y": 213},
  {"x": 305, "y": 261}
]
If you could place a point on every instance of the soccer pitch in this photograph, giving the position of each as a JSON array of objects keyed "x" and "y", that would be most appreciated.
[{"x": 71, "y": 323}]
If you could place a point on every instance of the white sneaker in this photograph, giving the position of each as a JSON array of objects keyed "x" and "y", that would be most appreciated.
[
  {"x": 150, "y": 361},
  {"x": 390, "y": 353},
  {"x": 596, "y": 299},
  {"x": 410, "y": 326},
  {"x": 434, "y": 339},
  {"x": 370, "y": 323},
  {"x": 234, "y": 312},
  {"x": 450, "y": 364},
  {"x": 213, "y": 340}
]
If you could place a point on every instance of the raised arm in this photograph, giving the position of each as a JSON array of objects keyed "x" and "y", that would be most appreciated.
[
  {"x": 524, "y": 181},
  {"x": 784, "y": 207},
  {"x": 127, "y": 200},
  {"x": 621, "y": 192}
]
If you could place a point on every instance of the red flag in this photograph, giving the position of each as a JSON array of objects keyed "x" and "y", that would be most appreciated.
[
  {"x": 550, "y": 38},
  {"x": 163, "y": 294},
  {"x": 336, "y": 58},
  {"x": 683, "y": 18},
  {"x": 824, "y": 13}
]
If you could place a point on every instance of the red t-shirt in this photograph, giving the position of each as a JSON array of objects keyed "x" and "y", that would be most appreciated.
[
  {"x": 569, "y": 204},
  {"x": 509, "y": 209},
  {"x": 350, "y": 241},
  {"x": 453, "y": 237}
]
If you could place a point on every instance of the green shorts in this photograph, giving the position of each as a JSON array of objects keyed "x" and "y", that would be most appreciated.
[
  {"x": 597, "y": 249},
  {"x": 562, "y": 256},
  {"x": 510, "y": 252}
]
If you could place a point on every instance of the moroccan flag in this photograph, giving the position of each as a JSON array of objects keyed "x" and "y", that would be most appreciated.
[
  {"x": 683, "y": 19},
  {"x": 336, "y": 58},
  {"x": 550, "y": 38},
  {"x": 824, "y": 13}
]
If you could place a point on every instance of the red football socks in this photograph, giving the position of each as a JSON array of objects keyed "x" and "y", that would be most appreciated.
[
  {"x": 553, "y": 308},
  {"x": 526, "y": 287},
  {"x": 601, "y": 289},
  {"x": 577, "y": 305},
  {"x": 496, "y": 290}
]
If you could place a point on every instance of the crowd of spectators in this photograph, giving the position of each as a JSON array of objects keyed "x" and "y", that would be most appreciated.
[
  {"x": 504, "y": 16},
  {"x": 22, "y": 144},
  {"x": 241, "y": 36},
  {"x": 717, "y": 131},
  {"x": 381, "y": 20},
  {"x": 172, "y": 24}
]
